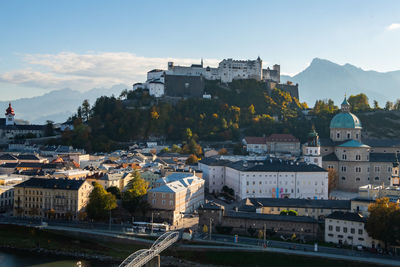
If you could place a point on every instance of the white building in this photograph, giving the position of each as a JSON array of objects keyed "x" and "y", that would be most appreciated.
[
  {"x": 347, "y": 228},
  {"x": 312, "y": 149},
  {"x": 254, "y": 144},
  {"x": 271, "y": 178}
]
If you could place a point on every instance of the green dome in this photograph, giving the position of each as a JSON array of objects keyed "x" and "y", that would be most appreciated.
[{"x": 345, "y": 120}]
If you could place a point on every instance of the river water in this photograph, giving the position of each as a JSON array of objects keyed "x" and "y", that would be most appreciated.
[{"x": 19, "y": 259}]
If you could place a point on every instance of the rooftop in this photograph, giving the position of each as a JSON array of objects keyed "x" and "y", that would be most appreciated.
[
  {"x": 303, "y": 203},
  {"x": 346, "y": 216},
  {"x": 282, "y": 138},
  {"x": 64, "y": 184}
]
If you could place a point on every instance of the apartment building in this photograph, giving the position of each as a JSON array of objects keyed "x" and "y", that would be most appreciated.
[
  {"x": 181, "y": 196},
  {"x": 51, "y": 198},
  {"x": 348, "y": 228}
]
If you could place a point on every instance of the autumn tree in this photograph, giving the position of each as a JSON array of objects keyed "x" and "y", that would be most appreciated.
[
  {"x": 359, "y": 102},
  {"x": 133, "y": 195},
  {"x": 115, "y": 191},
  {"x": 332, "y": 179},
  {"x": 100, "y": 203},
  {"x": 192, "y": 159},
  {"x": 384, "y": 221}
]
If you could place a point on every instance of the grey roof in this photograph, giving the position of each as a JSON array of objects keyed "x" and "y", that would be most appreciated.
[
  {"x": 301, "y": 203},
  {"x": 211, "y": 206},
  {"x": 330, "y": 157},
  {"x": 7, "y": 157},
  {"x": 9, "y": 165},
  {"x": 269, "y": 217},
  {"x": 27, "y": 157},
  {"x": 274, "y": 165},
  {"x": 214, "y": 162},
  {"x": 30, "y": 165},
  {"x": 346, "y": 216},
  {"x": 383, "y": 157},
  {"x": 382, "y": 142},
  {"x": 65, "y": 184}
]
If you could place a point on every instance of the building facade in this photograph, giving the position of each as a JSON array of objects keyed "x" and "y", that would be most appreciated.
[
  {"x": 348, "y": 228},
  {"x": 51, "y": 198},
  {"x": 270, "y": 178},
  {"x": 355, "y": 162}
]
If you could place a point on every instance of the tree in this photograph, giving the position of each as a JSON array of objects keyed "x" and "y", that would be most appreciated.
[
  {"x": 376, "y": 105},
  {"x": 383, "y": 221},
  {"x": 332, "y": 179},
  {"x": 192, "y": 159},
  {"x": 222, "y": 151},
  {"x": 100, "y": 203},
  {"x": 136, "y": 189},
  {"x": 86, "y": 110},
  {"x": 359, "y": 102},
  {"x": 49, "y": 130},
  {"x": 115, "y": 191},
  {"x": 388, "y": 106}
]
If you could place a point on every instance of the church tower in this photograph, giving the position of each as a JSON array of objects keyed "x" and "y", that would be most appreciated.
[
  {"x": 10, "y": 115},
  {"x": 312, "y": 149}
]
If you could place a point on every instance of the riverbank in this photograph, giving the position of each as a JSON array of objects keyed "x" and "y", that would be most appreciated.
[{"x": 80, "y": 246}]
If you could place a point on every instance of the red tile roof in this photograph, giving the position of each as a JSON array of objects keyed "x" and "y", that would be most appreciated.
[
  {"x": 281, "y": 138},
  {"x": 255, "y": 140}
]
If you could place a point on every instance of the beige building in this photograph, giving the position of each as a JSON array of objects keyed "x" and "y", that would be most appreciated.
[
  {"x": 51, "y": 198},
  {"x": 348, "y": 228},
  {"x": 356, "y": 163},
  {"x": 178, "y": 197}
]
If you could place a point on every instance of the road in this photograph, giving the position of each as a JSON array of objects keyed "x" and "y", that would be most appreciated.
[{"x": 244, "y": 243}]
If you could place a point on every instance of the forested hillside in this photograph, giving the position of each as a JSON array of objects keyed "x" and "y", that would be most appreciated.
[{"x": 245, "y": 107}]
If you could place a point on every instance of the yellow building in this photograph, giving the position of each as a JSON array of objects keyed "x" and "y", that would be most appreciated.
[{"x": 51, "y": 198}]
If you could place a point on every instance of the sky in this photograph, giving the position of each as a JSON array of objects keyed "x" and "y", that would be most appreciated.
[{"x": 50, "y": 45}]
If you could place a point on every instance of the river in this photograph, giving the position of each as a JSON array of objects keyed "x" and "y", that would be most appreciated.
[{"x": 19, "y": 259}]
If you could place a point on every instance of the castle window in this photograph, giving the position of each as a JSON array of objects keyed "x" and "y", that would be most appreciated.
[
  {"x": 344, "y": 156},
  {"x": 348, "y": 136},
  {"x": 338, "y": 135},
  {"x": 356, "y": 136},
  {"x": 358, "y": 157},
  {"x": 377, "y": 169},
  {"x": 358, "y": 169},
  {"x": 343, "y": 168}
]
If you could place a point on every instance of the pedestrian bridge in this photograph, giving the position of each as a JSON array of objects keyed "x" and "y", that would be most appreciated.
[{"x": 143, "y": 256}]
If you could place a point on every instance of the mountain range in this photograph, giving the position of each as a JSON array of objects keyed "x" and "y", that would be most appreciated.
[
  {"x": 57, "y": 105},
  {"x": 324, "y": 79}
]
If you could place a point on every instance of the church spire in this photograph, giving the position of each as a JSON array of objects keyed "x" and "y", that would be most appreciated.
[{"x": 345, "y": 105}]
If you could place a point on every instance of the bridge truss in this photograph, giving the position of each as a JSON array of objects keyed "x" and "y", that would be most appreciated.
[{"x": 143, "y": 256}]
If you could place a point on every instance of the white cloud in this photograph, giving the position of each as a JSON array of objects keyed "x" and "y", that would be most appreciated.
[
  {"x": 89, "y": 70},
  {"x": 393, "y": 26}
]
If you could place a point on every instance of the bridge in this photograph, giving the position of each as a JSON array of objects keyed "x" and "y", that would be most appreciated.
[{"x": 144, "y": 256}]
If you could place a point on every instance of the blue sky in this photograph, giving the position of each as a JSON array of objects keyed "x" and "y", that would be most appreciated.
[{"x": 48, "y": 45}]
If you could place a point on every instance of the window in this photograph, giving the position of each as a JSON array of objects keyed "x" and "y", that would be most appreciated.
[
  {"x": 377, "y": 169},
  {"x": 247, "y": 183},
  {"x": 154, "y": 201},
  {"x": 337, "y": 228},
  {"x": 171, "y": 202},
  {"x": 344, "y": 229},
  {"x": 343, "y": 178},
  {"x": 337, "y": 135},
  {"x": 352, "y": 230},
  {"x": 360, "y": 231},
  {"x": 358, "y": 169},
  {"x": 358, "y": 179},
  {"x": 376, "y": 178},
  {"x": 344, "y": 168},
  {"x": 163, "y": 202},
  {"x": 348, "y": 135},
  {"x": 344, "y": 156}
]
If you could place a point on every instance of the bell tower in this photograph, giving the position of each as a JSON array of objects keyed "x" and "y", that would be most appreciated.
[
  {"x": 312, "y": 149},
  {"x": 10, "y": 115}
]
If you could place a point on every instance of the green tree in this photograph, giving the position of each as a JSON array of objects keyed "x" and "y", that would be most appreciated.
[
  {"x": 86, "y": 110},
  {"x": 49, "y": 130},
  {"x": 133, "y": 195},
  {"x": 389, "y": 106},
  {"x": 376, "y": 105},
  {"x": 100, "y": 203},
  {"x": 383, "y": 221},
  {"x": 359, "y": 103},
  {"x": 115, "y": 191}
]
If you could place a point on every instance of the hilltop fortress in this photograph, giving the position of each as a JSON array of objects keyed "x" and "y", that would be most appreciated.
[{"x": 188, "y": 81}]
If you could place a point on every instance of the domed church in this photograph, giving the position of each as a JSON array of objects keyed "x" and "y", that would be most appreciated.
[{"x": 358, "y": 163}]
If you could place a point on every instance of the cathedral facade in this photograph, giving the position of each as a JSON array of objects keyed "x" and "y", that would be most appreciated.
[{"x": 358, "y": 163}]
